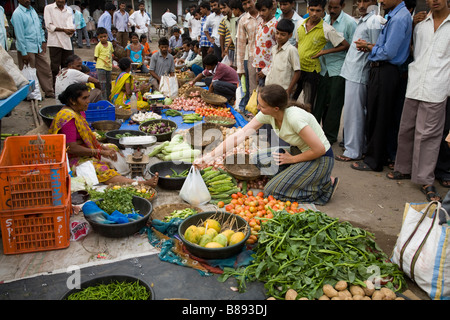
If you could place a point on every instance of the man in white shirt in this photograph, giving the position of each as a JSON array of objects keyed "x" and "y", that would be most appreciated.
[
  {"x": 213, "y": 21},
  {"x": 140, "y": 20},
  {"x": 97, "y": 14},
  {"x": 169, "y": 20},
  {"x": 195, "y": 25},
  {"x": 423, "y": 116},
  {"x": 59, "y": 23}
]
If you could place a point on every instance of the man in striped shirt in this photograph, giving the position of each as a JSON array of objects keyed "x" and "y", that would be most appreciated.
[
  {"x": 205, "y": 46},
  {"x": 226, "y": 43}
]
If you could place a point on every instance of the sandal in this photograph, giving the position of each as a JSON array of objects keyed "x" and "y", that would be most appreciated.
[
  {"x": 431, "y": 192},
  {"x": 344, "y": 158},
  {"x": 361, "y": 166},
  {"x": 444, "y": 183},
  {"x": 397, "y": 175},
  {"x": 334, "y": 187}
]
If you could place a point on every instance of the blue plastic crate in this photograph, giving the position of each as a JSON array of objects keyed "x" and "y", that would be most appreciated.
[
  {"x": 102, "y": 110},
  {"x": 91, "y": 65}
]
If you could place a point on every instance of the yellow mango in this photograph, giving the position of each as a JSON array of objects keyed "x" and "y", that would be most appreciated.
[
  {"x": 211, "y": 232},
  {"x": 211, "y": 223},
  {"x": 191, "y": 234},
  {"x": 222, "y": 239},
  {"x": 213, "y": 245},
  {"x": 227, "y": 233},
  {"x": 201, "y": 230},
  {"x": 236, "y": 238}
]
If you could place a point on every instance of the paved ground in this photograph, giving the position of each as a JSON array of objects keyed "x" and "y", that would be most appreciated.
[{"x": 366, "y": 199}]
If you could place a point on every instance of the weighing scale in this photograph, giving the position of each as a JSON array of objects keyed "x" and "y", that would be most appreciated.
[{"x": 137, "y": 160}]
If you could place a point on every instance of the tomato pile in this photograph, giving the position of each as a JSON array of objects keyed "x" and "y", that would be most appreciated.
[
  {"x": 214, "y": 111},
  {"x": 251, "y": 207}
]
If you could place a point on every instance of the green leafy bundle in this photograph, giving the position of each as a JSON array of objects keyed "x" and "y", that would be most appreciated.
[
  {"x": 305, "y": 251},
  {"x": 120, "y": 199}
]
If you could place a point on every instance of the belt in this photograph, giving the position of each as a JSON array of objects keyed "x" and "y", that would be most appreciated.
[{"x": 376, "y": 64}]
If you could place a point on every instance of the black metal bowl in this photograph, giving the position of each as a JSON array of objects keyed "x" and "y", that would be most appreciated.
[
  {"x": 141, "y": 205},
  {"x": 164, "y": 168},
  {"x": 111, "y": 136},
  {"x": 48, "y": 113},
  {"x": 213, "y": 253},
  {"x": 107, "y": 280},
  {"x": 162, "y": 136}
]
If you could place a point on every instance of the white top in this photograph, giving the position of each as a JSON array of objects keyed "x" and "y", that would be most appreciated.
[
  {"x": 294, "y": 120},
  {"x": 213, "y": 21},
  {"x": 66, "y": 77},
  {"x": 168, "y": 19},
  {"x": 196, "y": 28},
  {"x": 141, "y": 20},
  {"x": 429, "y": 73},
  {"x": 54, "y": 17},
  {"x": 285, "y": 61},
  {"x": 187, "y": 18}
]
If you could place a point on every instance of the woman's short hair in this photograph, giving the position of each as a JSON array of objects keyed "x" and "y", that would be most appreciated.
[{"x": 124, "y": 63}]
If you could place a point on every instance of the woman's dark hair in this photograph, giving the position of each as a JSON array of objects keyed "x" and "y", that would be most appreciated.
[
  {"x": 72, "y": 93},
  {"x": 143, "y": 36},
  {"x": 210, "y": 60},
  {"x": 285, "y": 25},
  {"x": 134, "y": 34},
  {"x": 264, "y": 3},
  {"x": 71, "y": 59},
  {"x": 124, "y": 63},
  {"x": 163, "y": 42},
  {"x": 276, "y": 96}
]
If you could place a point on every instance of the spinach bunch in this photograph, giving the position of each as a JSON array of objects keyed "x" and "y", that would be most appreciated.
[
  {"x": 120, "y": 199},
  {"x": 305, "y": 251}
]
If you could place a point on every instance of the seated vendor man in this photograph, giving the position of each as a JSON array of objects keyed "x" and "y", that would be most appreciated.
[
  {"x": 224, "y": 80},
  {"x": 162, "y": 63}
]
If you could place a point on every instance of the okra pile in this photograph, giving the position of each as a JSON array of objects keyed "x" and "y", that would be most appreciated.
[{"x": 221, "y": 184}]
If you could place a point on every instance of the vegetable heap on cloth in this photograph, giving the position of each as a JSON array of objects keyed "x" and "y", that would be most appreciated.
[
  {"x": 305, "y": 251},
  {"x": 164, "y": 236}
]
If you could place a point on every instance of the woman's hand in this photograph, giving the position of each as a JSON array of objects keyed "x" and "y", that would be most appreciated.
[
  {"x": 109, "y": 153},
  {"x": 283, "y": 158}
]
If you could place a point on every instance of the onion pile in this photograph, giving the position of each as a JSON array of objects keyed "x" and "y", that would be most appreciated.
[{"x": 188, "y": 104}]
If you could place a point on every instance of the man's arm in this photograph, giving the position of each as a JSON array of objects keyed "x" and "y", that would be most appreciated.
[
  {"x": 241, "y": 42},
  {"x": 344, "y": 45}
]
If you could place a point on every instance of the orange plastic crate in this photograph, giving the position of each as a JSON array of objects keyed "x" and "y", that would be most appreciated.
[
  {"x": 33, "y": 174},
  {"x": 33, "y": 230}
]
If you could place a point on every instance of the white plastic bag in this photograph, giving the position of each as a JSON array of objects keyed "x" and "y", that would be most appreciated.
[
  {"x": 120, "y": 164},
  {"x": 87, "y": 171},
  {"x": 169, "y": 86},
  {"x": 226, "y": 61},
  {"x": 30, "y": 74},
  {"x": 194, "y": 190}
]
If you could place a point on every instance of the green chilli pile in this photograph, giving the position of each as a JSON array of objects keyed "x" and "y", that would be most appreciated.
[
  {"x": 113, "y": 291},
  {"x": 305, "y": 251}
]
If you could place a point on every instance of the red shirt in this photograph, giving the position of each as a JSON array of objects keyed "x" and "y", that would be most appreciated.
[{"x": 222, "y": 72}]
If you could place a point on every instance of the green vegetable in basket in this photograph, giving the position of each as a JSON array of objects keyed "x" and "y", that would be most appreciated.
[
  {"x": 181, "y": 214},
  {"x": 113, "y": 291}
]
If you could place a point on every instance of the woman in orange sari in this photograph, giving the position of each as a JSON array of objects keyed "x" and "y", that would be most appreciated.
[{"x": 81, "y": 142}]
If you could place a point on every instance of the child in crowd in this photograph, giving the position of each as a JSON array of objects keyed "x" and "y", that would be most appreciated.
[
  {"x": 285, "y": 67},
  {"x": 224, "y": 80},
  {"x": 196, "y": 64},
  {"x": 265, "y": 40},
  {"x": 147, "y": 53},
  {"x": 103, "y": 58},
  {"x": 135, "y": 51},
  {"x": 161, "y": 63}
]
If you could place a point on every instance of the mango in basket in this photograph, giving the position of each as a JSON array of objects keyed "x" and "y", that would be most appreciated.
[
  {"x": 213, "y": 245},
  {"x": 227, "y": 233},
  {"x": 192, "y": 234},
  {"x": 211, "y": 223},
  {"x": 204, "y": 240},
  {"x": 236, "y": 238},
  {"x": 221, "y": 239},
  {"x": 201, "y": 230},
  {"x": 211, "y": 232}
]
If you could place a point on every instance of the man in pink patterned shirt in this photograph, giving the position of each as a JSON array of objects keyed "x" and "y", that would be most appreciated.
[{"x": 264, "y": 40}]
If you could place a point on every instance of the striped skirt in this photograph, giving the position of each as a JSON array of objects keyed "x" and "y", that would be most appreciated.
[{"x": 304, "y": 182}]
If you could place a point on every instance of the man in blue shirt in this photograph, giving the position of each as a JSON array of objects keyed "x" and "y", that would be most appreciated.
[
  {"x": 105, "y": 20},
  {"x": 386, "y": 55},
  {"x": 331, "y": 89},
  {"x": 31, "y": 44}
]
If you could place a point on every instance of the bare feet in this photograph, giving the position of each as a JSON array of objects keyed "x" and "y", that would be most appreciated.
[{"x": 152, "y": 182}]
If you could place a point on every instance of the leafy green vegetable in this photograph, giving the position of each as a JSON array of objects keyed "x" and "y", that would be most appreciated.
[
  {"x": 113, "y": 291},
  {"x": 305, "y": 251},
  {"x": 120, "y": 199}
]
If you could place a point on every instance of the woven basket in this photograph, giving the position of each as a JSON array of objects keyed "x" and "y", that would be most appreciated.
[
  {"x": 202, "y": 140},
  {"x": 123, "y": 114},
  {"x": 189, "y": 93},
  {"x": 239, "y": 166},
  {"x": 106, "y": 125},
  {"x": 227, "y": 122},
  {"x": 212, "y": 98},
  {"x": 160, "y": 212}
]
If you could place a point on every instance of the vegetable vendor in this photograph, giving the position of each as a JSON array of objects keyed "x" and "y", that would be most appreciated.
[
  {"x": 304, "y": 173},
  {"x": 224, "y": 80},
  {"x": 123, "y": 87},
  {"x": 81, "y": 142}
]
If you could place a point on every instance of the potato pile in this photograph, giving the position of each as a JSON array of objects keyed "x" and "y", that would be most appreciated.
[{"x": 342, "y": 291}]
